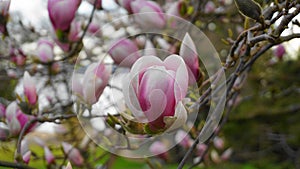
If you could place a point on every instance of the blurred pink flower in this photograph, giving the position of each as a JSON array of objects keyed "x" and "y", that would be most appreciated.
[
  {"x": 189, "y": 54},
  {"x": 158, "y": 148},
  {"x": 73, "y": 154},
  {"x": 62, "y": 13},
  {"x": 226, "y": 154},
  {"x": 201, "y": 148},
  {"x": 29, "y": 89},
  {"x": 91, "y": 85},
  {"x": 280, "y": 51},
  {"x": 150, "y": 15},
  {"x": 154, "y": 91},
  {"x": 74, "y": 34},
  {"x": 45, "y": 50},
  {"x": 4, "y": 132},
  {"x": 17, "y": 56},
  {"x": 26, "y": 157},
  {"x": 219, "y": 143},
  {"x": 209, "y": 7},
  {"x": 124, "y": 52},
  {"x": 48, "y": 155},
  {"x": 183, "y": 139}
]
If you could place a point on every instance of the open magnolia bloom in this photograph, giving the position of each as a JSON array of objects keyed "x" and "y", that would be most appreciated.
[{"x": 154, "y": 92}]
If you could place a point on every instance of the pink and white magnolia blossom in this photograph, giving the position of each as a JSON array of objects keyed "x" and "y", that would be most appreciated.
[
  {"x": 154, "y": 91},
  {"x": 26, "y": 157},
  {"x": 91, "y": 85},
  {"x": 4, "y": 132},
  {"x": 16, "y": 119},
  {"x": 98, "y": 3},
  {"x": 189, "y": 54},
  {"x": 45, "y": 50},
  {"x": 158, "y": 148},
  {"x": 62, "y": 13},
  {"x": 148, "y": 14},
  {"x": 279, "y": 51},
  {"x": 48, "y": 155},
  {"x": 4, "y": 7},
  {"x": 73, "y": 154},
  {"x": 17, "y": 56},
  {"x": 29, "y": 89},
  {"x": 183, "y": 139},
  {"x": 124, "y": 52}
]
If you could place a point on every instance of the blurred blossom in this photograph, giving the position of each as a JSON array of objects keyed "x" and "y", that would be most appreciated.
[
  {"x": 215, "y": 157},
  {"x": 48, "y": 155},
  {"x": 125, "y": 4},
  {"x": 158, "y": 148},
  {"x": 26, "y": 157},
  {"x": 218, "y": 143},
  {"x": 55, "y": 68},
  {"x": 189, "y": 54},
  {"x": 226, "y": 154},
  {"x": 45, "y": 50},
  {"x": 154, "y": 91},
  {"x": 98, "y": 3},
  {"x": 280, "y": 51},
  {"x": 74, "y": 34},
  {"x": 94, "y": 28},
  {"x": 29, "y": 89},
  {"x": 200, "y": 149},
  {"x": 183, "y": 139},
  {"x": 16, "y": 119},
  {"x": 4, "y": 7},
  {"x": 17, "y": 56},
  {"x": 151, "y": 14},
  {"x": 62, "y": 13},
  {"x": 94, "y": 81},
  {"x": 210, "y": 7},
  {"x": 73, "y": 154},
  {"x": 2, "y": 110},
  {"x": 124, "y": 52}
]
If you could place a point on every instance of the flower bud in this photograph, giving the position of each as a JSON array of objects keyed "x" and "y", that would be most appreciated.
[
  {"x": 17, "y": 56},
  {"x": 26, "y": 157},
  {"x": 124, "y": 52},
  {"x": 226, "y": 154},
  {"x": 62, "y": 13},
  {"x": 183, "y": 139},
  {"x": 158, "y": 148},
  {"x": 150, "y": 14},
  {"x": 73, "y": 154},
  {"x": 45, "y": 51},
  {"x": 218, "y": 143},
  {"x": 48, "y": 155},
  {"x": 280, "y": 51},
  {"x": 250, "y": 8},
  {"x": 29, "y": 89},
  {"x": 189, "y": 54}
]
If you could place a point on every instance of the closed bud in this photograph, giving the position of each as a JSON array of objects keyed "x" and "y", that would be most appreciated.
[{"x": 250, "y": 8}]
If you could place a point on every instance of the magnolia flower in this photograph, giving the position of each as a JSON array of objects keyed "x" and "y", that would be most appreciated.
[
  {"x": 124, "y": 52},
  {"x": 62, "y": 13},
  {"x": 45, "y": 50},
  {"x": 154, "y": 91},
  {"x": 209, "y": 7},
  {"x": 98, "y": 3},
  {"x": 26, "y": 157},
  {"x": 73, "y": 154},
  {"x": 4, "y": 7},
  {"x": 17, "y": 56},
  {"x": 29, "y": 89},
  {"x": 189, "y": 54},
  {"x": 91, "y": 85},
  {"x": 218, "y": 143},
  {"x": 16, "y": 119},
  {"x": 158, "y": 148},
  {"x": 226, "y": 154},
  {"x": 280, "y": 51},
  {"x": 125, "y": 4},
  {"x": 183, "y": 139},
  {"x": 149, "y": 14},
  {"x": 48, "y": 155},
  {"x": 94, "y": 28},
  {"x": 69, "y": 166}
]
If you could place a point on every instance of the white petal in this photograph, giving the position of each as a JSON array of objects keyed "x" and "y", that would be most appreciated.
[{"x": 181, "y": 117}]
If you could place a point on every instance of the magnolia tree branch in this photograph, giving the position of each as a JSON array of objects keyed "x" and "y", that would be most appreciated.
[{"x": 14, "y": 165}]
